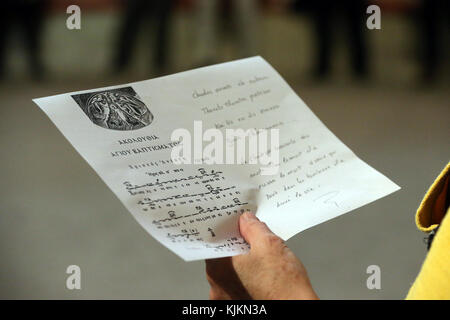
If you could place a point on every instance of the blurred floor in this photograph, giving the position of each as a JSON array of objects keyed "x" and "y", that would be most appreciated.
[{"x": 55, "y": 211}]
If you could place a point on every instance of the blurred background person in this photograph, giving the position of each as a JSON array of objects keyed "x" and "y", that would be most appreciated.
[
  {"x": 433, "y": 24},
  {"x": 239, "y": 18},
  {"x": 137, "y": 13},
  {"x": 330, "y": 16},
  {"x": 27, "y": 17}
]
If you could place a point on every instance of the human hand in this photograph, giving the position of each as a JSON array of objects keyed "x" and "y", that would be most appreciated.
[{"x": 269, "y": 271}]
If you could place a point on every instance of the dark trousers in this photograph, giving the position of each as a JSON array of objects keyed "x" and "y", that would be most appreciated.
[
  {"x": 433, "y": 19},
  {"x": 28, "y": 16},
  {"x": 325, "y": 14},
  {"x": 136, "y": 11}
]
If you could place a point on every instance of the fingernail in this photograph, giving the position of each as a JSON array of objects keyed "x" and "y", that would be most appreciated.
[{"x": 248, "y": 216}]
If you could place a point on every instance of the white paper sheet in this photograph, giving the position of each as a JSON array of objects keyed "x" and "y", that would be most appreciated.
[{"x": 193, "y": 209}]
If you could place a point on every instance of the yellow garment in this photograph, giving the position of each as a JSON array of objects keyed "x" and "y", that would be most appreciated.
[{"x": 433, "y": 281}]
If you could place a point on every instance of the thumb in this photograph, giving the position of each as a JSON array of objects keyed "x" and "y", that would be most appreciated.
[{"x": 255, "y": 232}]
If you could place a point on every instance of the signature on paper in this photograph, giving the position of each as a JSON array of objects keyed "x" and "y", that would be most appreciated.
[{"x": 329, "y": 198}]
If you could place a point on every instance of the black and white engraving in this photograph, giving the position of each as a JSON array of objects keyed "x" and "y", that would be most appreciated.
[{"x": 117, "y": 109}]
